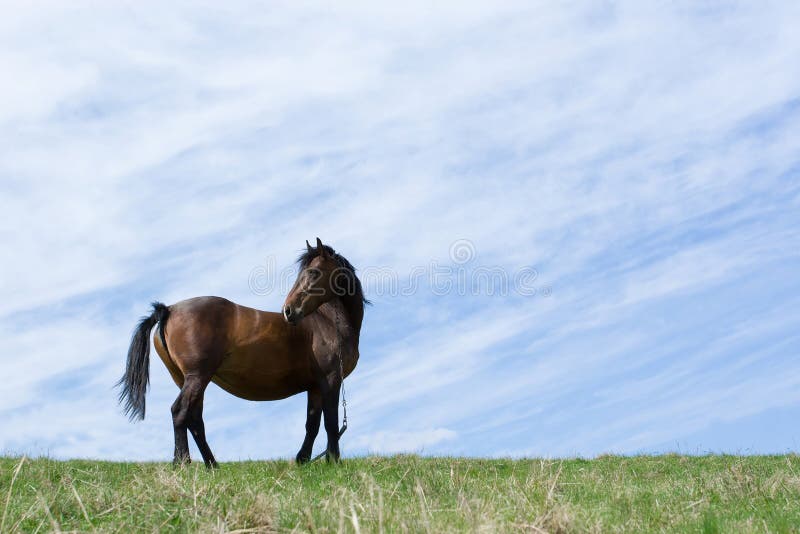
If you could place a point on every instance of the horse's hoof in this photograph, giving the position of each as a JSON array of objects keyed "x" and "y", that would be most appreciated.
[
  {"x": 181, "y": 462},
  {"x": 302, "y": 458}
]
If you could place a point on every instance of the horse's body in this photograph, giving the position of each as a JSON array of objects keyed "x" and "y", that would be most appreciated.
[{"x": 256, "y": 355}]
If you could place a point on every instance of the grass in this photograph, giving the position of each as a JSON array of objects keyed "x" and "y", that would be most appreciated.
[{"x": 407, "y": 493}]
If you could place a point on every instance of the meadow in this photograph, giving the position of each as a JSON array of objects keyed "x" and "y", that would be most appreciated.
[{"x": 669, "y": 493}]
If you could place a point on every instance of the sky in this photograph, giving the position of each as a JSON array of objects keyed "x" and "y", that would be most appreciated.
[{"x": 608, "y": 194}]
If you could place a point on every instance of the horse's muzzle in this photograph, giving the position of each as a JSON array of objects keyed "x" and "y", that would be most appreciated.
[{"x": 292, "y": 316}]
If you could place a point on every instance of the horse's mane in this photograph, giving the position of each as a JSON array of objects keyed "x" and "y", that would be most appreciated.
[{"x": 305, "y": 259}]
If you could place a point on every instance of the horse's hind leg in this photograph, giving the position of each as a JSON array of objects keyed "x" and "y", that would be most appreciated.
[
  {"x": 187, "y": 414},
  {"x": 313, "y": 416},
  {"x": 179, "y": 426},
  {"x": 198, "y": 430}
]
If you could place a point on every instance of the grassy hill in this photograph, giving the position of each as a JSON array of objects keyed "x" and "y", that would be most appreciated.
[{"x": 408, "y": 493}]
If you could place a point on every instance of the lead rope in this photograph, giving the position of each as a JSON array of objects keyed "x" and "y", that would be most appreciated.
[{"x": 344, "y": 400}]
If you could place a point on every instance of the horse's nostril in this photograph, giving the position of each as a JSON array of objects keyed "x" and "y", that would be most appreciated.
[{"x": 287, "y": 312}]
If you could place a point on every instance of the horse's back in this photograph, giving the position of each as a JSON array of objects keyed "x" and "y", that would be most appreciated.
[
  {"x": 200, "y": 321},
  {"x": 208, "y": 306}
]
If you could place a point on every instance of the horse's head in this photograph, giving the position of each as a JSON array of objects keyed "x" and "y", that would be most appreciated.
[{"x": 315, "y": 285}]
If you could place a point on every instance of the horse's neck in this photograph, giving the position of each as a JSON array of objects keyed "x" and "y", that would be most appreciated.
[{"x": 346, "y": 316}]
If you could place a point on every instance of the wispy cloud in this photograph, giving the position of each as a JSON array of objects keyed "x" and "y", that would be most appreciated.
[{"x": 642, "y": 158}]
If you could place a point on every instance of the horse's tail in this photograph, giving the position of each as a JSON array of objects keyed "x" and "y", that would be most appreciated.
[{"x": 137, "y": 371}]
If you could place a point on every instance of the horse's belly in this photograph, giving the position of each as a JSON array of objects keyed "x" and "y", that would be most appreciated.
[
  {"x": 260, "y": 392},
  {"x": 259, "y": 380}
]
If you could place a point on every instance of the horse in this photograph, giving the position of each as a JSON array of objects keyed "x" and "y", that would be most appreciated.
[{"x": 311, "y": 346}]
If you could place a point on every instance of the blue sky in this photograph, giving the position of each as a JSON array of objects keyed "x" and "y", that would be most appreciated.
[{"x": 643, "y": 158}]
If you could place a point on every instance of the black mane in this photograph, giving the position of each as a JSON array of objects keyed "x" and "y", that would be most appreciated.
[{"x": 305, "y": 259}]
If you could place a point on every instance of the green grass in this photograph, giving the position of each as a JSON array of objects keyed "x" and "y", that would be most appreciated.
[{"x": 408, "y": 493}]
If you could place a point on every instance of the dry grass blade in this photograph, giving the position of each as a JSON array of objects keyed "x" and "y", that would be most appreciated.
[
  {"x": 10, "y": 489},
  {"x": 26, "y": 515},
  {"x": 380, "y": 512},
  {"x": 555, "y": 481},
  {"x": 423, "y": 504},
  {"x": 394, "y": 490},
  {"x": 53, "y": 522},
  {"x": 80, "y": 503},
  {"x": 354, "y": 519}
]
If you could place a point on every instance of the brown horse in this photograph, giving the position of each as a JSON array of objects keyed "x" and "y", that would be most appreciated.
[{"x": 256, "y": 355}]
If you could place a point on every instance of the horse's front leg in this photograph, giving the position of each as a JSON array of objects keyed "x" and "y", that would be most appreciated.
[
  {"x": 313, "y": 416},
  {"x": 330, "y": 409}
]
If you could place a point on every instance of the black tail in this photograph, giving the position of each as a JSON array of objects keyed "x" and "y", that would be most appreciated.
[{"x": 137, "y": 372}]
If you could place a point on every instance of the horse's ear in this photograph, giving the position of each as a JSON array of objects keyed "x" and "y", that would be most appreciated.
[
  {"x": 320, "y": 249},
  {"x": 308, "y": 247}
]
